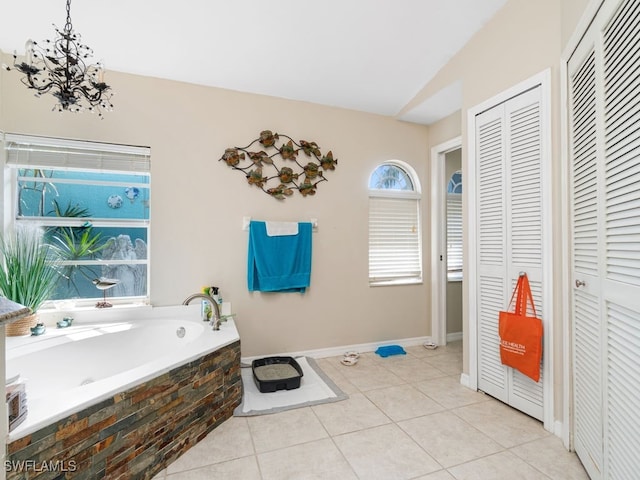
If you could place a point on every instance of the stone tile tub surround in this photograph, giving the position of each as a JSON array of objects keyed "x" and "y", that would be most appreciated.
[{"x": 136, "y": 429}]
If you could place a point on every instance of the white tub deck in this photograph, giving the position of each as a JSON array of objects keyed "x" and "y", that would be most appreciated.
[{"x": 104, "y": 353}]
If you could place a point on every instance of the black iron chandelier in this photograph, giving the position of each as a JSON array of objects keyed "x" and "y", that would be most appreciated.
[{"x": 58, "y": 67}]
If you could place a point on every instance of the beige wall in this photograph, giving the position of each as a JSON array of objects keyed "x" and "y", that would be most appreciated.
[
  {"x": 198, "y": 203},
  {"x": 454, "y": 307},
  {"x": 572, "y": 12},
  {"x": 523, "y": 39}
]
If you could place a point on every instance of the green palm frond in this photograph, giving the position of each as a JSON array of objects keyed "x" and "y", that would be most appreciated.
[{"x": 30, "y": 268}]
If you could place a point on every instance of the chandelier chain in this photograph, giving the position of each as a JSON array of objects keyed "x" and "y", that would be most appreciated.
[{"x": 68, "y": 27}]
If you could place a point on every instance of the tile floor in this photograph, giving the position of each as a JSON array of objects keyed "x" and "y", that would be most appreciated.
[{"x": 407, "y": 417}]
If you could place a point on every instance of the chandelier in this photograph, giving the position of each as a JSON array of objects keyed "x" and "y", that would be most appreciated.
[{"x": 58, "y": 67}]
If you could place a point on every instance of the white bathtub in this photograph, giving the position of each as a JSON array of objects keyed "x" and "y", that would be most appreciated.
[{"x": 67, "y": 370}]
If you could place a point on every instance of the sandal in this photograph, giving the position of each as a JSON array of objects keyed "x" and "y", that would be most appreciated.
[{"x": 349, "y": 360}]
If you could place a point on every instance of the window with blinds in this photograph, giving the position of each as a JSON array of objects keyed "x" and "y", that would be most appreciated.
[
  {"x": 454, "y": 227},
  {"x": 395, "y": 254},
  {"x": 91, "y": 201}
]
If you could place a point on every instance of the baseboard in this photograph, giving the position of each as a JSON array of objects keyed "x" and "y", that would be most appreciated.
[
  {"x": 454, "y": 337},
  {"x": 464, "y": 380},
  {"x": 558, "y": 429},
  {"x": 338, "y": 351}
]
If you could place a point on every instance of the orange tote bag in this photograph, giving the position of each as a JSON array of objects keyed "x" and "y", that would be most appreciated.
[{"x": 521, "y": 335}]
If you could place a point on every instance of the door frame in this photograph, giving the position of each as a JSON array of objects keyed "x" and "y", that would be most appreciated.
[
  {"x": 470, "y": 301},
  {"x": 438, "y": 239}
]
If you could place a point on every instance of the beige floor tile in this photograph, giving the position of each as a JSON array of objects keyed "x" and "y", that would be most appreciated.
[
  {"x": 345, "y": 385},
  {"x": 363, "y": 367},
  {"x": 230, "y": 440},
  {"x": 330, "y": 366},
  {"x": 242, "y": 468},
  {"x": 550, "y": 457},
  {"x": 370, "y": 357},
  {"x": 350, "y": 415},
  {"x": 319, "y": 460},
  {"x": 448, "y": 439},
  {"x": 403, "y": 402},
  {"x": 420, "y": 351},
  {"x": 501, "y": 466},
  {"x": 161, "y": 475},
  {"x": 335, "y": 371},
  {"x": 284, "y": 429},
  {"x": 370, "y": 376},
  {"x": 413, "y": 370},
  {"x": 450, "y": 363},
  {"x": 440, "y": 475},
  {"x": 504, "y": 424},
  {"x": 439, "y": 423},
  {"x": 448, "y": 392},
  {"x": 385, "y": 453},
  {"x": 453, "y": 346}
]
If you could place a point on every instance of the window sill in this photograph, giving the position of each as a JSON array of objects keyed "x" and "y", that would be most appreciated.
[
  {"x": 454, "y": 277},
  {"x": 391, "y": 283}
]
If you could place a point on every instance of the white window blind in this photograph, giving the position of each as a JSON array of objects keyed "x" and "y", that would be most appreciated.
[
  {"x": 38, "y": 152},
  {"x": 394, "y": 240},
  {"x": 92, "y": 202},
  {"x": 454, "y": 236}
]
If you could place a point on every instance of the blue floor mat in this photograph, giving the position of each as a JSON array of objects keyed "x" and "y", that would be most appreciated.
[{"x": 390, "y": 350}]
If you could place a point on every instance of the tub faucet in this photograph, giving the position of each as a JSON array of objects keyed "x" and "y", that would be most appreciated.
[{"x": 215, "y": 321}]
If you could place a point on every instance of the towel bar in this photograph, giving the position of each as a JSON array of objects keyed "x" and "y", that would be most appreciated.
[{"x": 247, "y": 220}]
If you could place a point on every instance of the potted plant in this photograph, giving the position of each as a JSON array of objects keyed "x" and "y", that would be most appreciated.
[{"x": 28, "y": 274}]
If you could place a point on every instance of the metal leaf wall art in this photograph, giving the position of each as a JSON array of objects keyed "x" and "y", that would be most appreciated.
[{"x": 284, "y": 168}]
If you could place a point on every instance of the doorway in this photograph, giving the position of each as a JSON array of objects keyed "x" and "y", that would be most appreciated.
[
  {"x": 454, "y": 259},
  {"x": 440, "y": 290}
]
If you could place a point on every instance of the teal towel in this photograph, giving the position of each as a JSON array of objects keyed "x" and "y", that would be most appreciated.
[{"x": 281, "y": 263}]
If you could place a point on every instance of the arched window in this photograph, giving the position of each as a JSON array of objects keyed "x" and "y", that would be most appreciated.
[
  {"x": 395, "y": 238},
  {"x": 455, "y": 183},
  {"x": 390, "y": 176},
  {"x": 454, "y": 227}
]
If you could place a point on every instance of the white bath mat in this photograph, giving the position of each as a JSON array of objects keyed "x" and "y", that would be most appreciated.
[{"x": 315, "y": 388}]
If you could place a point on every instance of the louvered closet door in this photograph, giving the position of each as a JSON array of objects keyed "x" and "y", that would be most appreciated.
[
  {"x": 587, "y": 352},
  {"x": 509, "y": 218},
  {"x": 604, "y": 86}
]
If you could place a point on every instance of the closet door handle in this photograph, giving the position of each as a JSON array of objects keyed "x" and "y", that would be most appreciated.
[{"x": 580, "y": 283}]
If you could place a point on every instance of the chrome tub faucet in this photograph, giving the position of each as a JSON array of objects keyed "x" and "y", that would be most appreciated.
[{"x": 215, "y": 320}]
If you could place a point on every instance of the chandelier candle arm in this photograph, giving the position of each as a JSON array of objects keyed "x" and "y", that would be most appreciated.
[{"x": 58, "y": 67}]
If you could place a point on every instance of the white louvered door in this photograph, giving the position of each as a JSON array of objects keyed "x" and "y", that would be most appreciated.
[
  {"x": 587, "y": 353},
  {"x": 509, "y": 232},
  {"x": 604, "y": 107}
]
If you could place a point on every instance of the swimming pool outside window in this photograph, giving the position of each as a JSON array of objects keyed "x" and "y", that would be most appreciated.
[
  {"x": 395, "y": 238},
  {"x": 92, "y": 202}
]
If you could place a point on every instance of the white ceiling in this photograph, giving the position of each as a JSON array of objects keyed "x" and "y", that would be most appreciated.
[{"x": 368, "y": 55}]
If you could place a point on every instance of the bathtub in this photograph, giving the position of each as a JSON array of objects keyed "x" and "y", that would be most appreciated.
[{"x": 103, "y": 353}]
